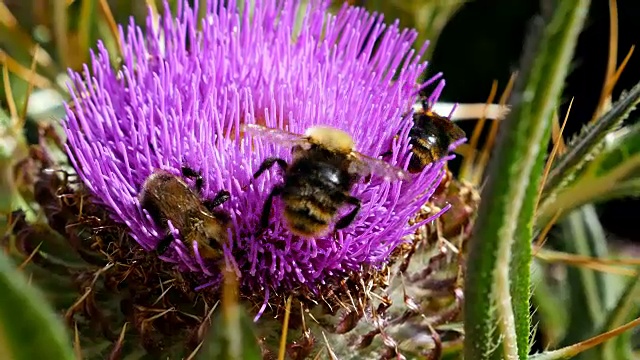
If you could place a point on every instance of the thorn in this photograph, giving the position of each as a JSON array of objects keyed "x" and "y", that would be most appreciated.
[
  {"x": 31, "y": 256},
  {"x": 77, "y": 348},
  {"x": 195, "y": 351},
  {"x": 69, "y": 314},
  {"x": 318, "y": 354},
  {"x": 162, "y": 295},
  {"x": 331, "y": 353},
  {"x": 117, "y": 348},
  {"x": 436, "y": 353}
]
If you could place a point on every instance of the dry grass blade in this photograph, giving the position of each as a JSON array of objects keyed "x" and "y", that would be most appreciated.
[
  {"x": 8, "y": 92},
  {"x": 111, "y": 21},
  {"x": 556, "y": 146},
  {"x": 612, "y": 74},
  {"x": 24, "y": 72},
  {"x": 622, "y": 66},
  {"x": 285, "y": 328},
  {"x": 23, "y": 114},
  {"x": 605, "y": 95},
  {"x": 555, "y": 134},
  {"x": 573, "y": 350},
  {"x": 11, "y": 23},
  {"x": 543, "y": 234},
  {"x": 231, "y": 313},
  {"x": 552, "y": 254},
  {"x": 469, "y": 160},
  {"x": 493, "y": 133},
  {"x": 606, "y": 266},
  {"x": 607, "y": 88}
]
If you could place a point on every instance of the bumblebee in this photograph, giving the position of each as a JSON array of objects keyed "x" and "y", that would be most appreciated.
[
  {"x": 318, "y": 182},
  {"x": 430, "y": 137},
  {"x": 167, "y": 197}
]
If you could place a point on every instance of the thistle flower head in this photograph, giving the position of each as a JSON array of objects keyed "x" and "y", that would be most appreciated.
[{"x": 184, "y": 89}]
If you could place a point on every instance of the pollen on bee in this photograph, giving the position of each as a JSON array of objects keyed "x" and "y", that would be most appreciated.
[{"x": 331, "y": 138}]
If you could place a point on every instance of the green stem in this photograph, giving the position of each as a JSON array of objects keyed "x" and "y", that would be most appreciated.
[{"x": 497, "y": 287}]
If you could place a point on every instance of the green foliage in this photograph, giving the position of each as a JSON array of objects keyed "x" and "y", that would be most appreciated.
[
  {"x": 624, "y": 311},
  {"x": 601, "y": 163},
  {"x": 590, "y": 141},
  {"x": 497, "y": 286},
  {"x": 28, "y": 327},
  {"x": 230, "y": 337},
  {"x": 589, "y": 291}
]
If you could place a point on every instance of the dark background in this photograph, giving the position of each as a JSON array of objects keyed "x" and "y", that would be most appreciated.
[{"x": 483, "y": 42}]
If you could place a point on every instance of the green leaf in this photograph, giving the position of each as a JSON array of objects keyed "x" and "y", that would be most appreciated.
[
  {"x": 551, "y": 310},
  {"x": 590, "y": 291},
  {"x": 497, "y": 287},
  {"x": 613, "y": 173},
  {"x": 582, "y": 148},
  {"x": 29, "y": 329},
  {"x": 624, "y": 311},
  {"x": 87, "y": 20}
]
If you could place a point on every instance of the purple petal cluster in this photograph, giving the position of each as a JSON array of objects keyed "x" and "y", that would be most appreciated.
[{"x": 185, "y": 87}]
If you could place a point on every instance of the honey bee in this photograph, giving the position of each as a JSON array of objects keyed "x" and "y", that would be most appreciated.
[
  {"x": 169, "y": 198},
  {"x": 319, "y": 180},
  {"x": 430, "y": 137}
]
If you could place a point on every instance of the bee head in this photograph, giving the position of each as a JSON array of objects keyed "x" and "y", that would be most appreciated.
[{"x": 330, "y": 138}]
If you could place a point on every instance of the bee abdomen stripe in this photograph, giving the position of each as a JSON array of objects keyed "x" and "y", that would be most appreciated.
[{"x": 310, "y": 216}]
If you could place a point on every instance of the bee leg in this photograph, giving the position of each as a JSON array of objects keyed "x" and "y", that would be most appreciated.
[
  {"x": 221, "y": 197},
  {"x": 268, "y": 163},
  {"x": 266, "y": 209},
  {"x": 164, "y": 244},
  {"x": 190, "y": 173},
  {"x": 348, "y": 219}
]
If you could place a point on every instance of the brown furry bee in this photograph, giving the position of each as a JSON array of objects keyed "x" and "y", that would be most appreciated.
[
  {"x": 168, "y": 197},
  {"x": 319, "y": 180},
  {"x": 430, "y": 137}
]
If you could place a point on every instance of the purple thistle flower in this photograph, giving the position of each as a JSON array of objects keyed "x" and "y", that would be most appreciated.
[{"x": 182, "y": 93}]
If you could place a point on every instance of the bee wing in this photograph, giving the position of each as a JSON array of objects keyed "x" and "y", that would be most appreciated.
[
  {"x": 454, "y": 131},
  {"x": 365, "y": 165},
  {"x": 276, "y": 135}
]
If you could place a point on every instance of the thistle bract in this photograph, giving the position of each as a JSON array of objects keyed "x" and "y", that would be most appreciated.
[{"x": 185, "y": 87}]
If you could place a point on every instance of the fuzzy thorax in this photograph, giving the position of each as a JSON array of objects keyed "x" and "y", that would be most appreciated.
[{"x": 330, "y": 138}]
